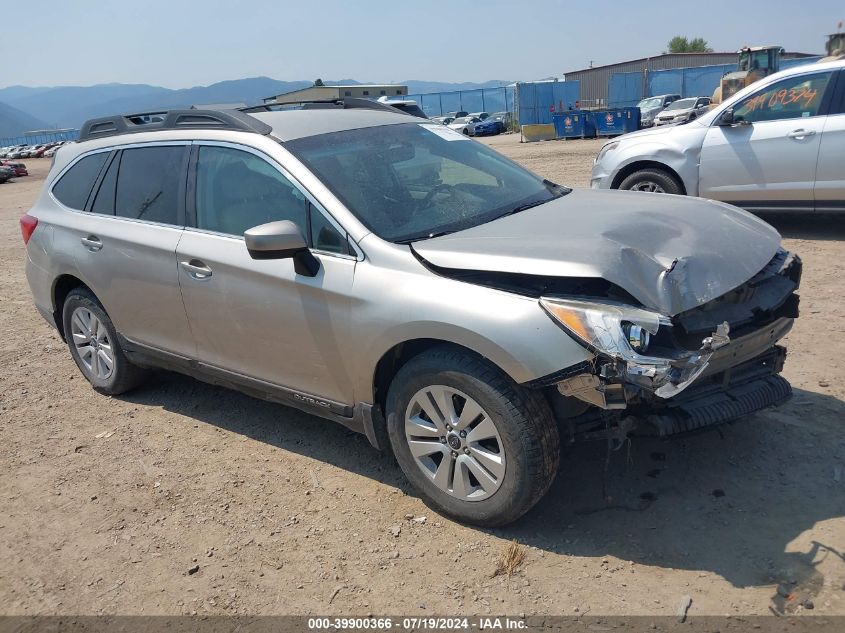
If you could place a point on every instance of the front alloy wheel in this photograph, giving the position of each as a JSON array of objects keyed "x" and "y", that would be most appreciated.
[
  {"x": 455, "y": 443},
  {"x": 475, "y": 445},
  {"x": 647, "y": 185}
]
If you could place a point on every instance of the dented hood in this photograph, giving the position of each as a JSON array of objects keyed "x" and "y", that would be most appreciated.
[{"x": 671, "y": 253}]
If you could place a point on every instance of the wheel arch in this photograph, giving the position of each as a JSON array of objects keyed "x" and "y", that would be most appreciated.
[
  {"x": 62, "y": 287},
  {"x": 393, "y": 359},
  {"x": 638, "y": 165}
]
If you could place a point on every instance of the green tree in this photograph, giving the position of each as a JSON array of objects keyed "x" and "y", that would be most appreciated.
[
  {"x": 680, "y": 44},
  {"x": 319, "y": 82}
]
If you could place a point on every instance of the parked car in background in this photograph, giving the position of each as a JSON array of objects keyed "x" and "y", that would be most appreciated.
[
  {"x": 443, "y": 120},
  {"x": 683, "y": 110},
  {"x": 6, "y": 174},
  {"x": 52, "y": 151},
  {"x": 457, "y": 115},
  {"x": 488, "y": 127},
  {"x": 18, "y": 152},
  {"x": 408, "y": 106},
  {"x": 777, "y": 145},
  {"x": 518, "y": 309},
  {"x": 19, "y": 169},
  {"x": 480, "y": 115},
  {"x": 651, "y": 106},
  {"x": 505, "y": 119},
  {"x": 465, "y": 125}
]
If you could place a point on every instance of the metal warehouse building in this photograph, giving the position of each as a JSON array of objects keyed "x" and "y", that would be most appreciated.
[
  {"x": 594, "y": 81},
  {"x": 325, "y": 93}
]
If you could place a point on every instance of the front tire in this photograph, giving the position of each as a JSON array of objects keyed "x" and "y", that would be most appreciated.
[
  {"x": 653, "y": 181},
  {"x": 477, "y": 447},
  {"x": 94, "y": 345}
]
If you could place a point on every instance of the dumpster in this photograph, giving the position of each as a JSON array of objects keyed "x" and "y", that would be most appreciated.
[
  {"x": 617, "y": 121},
  {"x": 574, "y": 124}
]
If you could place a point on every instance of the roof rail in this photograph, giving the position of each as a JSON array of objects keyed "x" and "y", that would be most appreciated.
[
  {"x": 346, "y": 103},
  {"x": 172, "y": 120}
]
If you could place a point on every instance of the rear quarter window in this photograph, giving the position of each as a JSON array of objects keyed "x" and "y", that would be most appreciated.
[{"x": 74, "y": 187}]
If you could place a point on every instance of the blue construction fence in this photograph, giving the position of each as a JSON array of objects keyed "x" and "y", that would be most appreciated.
[
  {"x": 528, "y": 102},
  {"x": 480, "y": 100},
  {"x": 627, "y": 89},
  {"x": 41, "y": 137}
]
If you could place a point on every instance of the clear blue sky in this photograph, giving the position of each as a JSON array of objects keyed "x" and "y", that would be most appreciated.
[{"x": 179, "y": 43}]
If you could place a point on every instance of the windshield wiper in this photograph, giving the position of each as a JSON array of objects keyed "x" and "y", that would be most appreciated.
[{"x": 524, "y": 207}]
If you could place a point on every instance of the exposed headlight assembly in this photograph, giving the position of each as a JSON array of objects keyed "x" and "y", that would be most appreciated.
[
  {"x": 624, "y": 334},
  {"x": 616, "y": 330}
]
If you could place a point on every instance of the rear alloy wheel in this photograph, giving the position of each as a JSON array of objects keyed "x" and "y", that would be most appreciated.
[
  {"x": 652, "y": 181},
  {"x": 92, "y": 342},
  {"x": 476, "y": 446},
  {"x": 94, "y": 345}
]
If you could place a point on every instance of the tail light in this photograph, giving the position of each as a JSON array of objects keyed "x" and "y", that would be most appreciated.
[{"x": 28, "y": 224}]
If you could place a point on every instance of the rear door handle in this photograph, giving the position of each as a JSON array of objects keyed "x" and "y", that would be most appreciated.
[
  {"x": 92, "y": 243},
  {"x": 196, "y": 269},
  {"x": 800, "y": 133}
]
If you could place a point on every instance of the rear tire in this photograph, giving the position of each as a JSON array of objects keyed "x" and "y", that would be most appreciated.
[
  {"x": 491, "y": 457},
  {"x": 652, "y": 180},
  {"x": 94, "y": 345}
]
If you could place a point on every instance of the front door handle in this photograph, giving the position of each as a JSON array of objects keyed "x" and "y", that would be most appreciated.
[
  {"x": 800, "y": 133},
  {"x": 92, "y": 243},
  {"x": 196, "y": 269}
]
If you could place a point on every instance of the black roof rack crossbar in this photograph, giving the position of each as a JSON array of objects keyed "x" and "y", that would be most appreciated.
[
  {"x": 346, "y": 103},
  {"x": 172, "y": 120}
]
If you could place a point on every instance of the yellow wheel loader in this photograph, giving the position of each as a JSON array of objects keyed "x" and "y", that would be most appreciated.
[{"x": 753, "y": 63}]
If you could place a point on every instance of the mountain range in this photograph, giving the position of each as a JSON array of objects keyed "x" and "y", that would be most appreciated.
[{"x": 24, "y": 108}]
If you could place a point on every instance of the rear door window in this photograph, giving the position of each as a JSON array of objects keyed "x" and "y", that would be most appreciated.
[
  {"x": 75, "y": 185},
  {"x": 148, "y": 184}
]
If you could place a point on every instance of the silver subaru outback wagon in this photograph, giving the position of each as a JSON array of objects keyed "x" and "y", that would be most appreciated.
[{"x": 410, "y": 283}]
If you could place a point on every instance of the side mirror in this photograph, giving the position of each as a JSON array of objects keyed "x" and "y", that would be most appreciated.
[
  {"x": 727, "y": 117},
  {"x": 281, "y": 240}
]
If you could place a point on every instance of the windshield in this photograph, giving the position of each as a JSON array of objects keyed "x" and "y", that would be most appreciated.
[
  {"x": 414, "y": 180},
  {"x": 652, "y": 102},
  {"x": 681, "y": 104}
]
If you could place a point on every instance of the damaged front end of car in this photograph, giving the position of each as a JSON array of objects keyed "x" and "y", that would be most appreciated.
[{"x": 661, "y": 375}]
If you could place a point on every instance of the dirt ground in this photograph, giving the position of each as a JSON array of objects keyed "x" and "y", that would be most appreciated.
[{"x": 109, "y": 504}]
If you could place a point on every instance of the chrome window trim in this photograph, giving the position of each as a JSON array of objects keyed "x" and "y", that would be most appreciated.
[{"x": 318, "y": 206}]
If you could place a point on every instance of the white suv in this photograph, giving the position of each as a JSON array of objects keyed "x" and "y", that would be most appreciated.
[{"x": 775, "y": 146}]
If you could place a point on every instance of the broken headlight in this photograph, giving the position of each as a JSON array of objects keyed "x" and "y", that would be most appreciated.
[
  {"x": 624, "y": 333},
  {"x": 638, "y": 337},
  {"x": 615, "y": 329}
]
